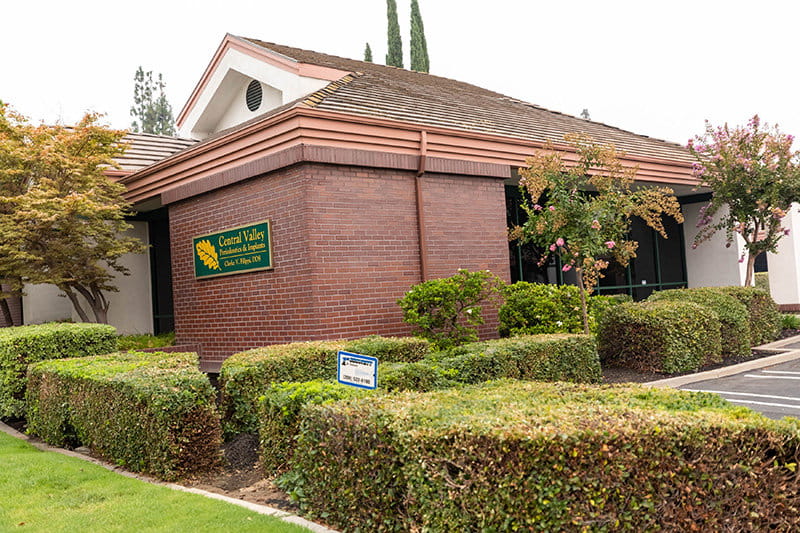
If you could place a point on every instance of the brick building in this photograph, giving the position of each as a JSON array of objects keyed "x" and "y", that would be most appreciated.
[{"x": 371, "y": 179}]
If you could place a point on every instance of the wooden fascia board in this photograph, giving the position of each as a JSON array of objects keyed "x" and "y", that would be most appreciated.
[{"x": 476, "y": 146}]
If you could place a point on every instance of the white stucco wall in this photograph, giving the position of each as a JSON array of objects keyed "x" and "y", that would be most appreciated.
[
  {"x": 784, "y": 271},
  {"x": 711, "y": 264},
  {"x": 130, "y": 309},
  {"x": 43, "y": 303}
]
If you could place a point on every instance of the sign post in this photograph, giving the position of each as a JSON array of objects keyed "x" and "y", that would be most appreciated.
[{"x": 357, "y": 370}]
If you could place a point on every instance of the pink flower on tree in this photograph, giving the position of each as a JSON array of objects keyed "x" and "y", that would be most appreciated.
[
  {"x": 537, "y": 207},
  {"x": 552, "y": 208},
  {"x": 552, "y": 247},
  {"x": 610, "y": 244},
  {"x": 565, "y": 268},
  {"x": 559, "y": 242},
  {"x": 595, "y": 224}
]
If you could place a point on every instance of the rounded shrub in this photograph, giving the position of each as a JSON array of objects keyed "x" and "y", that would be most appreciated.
[
  {"x": 733, "y": 319},
  {"x": 763, "y": 313},
  {"x": 534, "y": 308},
  {"x": 659, "y": 336}
]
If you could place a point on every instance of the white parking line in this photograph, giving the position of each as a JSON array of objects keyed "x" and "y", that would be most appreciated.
[
  {"x": 771, "y": 377},
  {"x": 751, "y": 402},
  {"x": 781, "y": 372},
  {"x": 790, "y": 398}
]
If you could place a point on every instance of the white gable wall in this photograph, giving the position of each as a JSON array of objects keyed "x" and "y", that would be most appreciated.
[
  {"x": 221, "y": 104},
  {"x": 711, "y": 264}
]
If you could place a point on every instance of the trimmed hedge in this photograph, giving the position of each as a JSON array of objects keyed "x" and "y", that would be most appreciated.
[
  {"x": 536, "y": 308},
  {"x": 510, "y": 456},
  {"x": 659, "y": 336},
  {"x": 420, "y": 376},
  {"x": 149, "y": 412},
  {"x": 763, "y": 313},
  {"x": 733, "y": 321},
  {"x": 247, "y": 375},
  {"x": 557, "y": 357},
  {"x": 279, "y": 411},
  {"x": 22, "y": 345}
]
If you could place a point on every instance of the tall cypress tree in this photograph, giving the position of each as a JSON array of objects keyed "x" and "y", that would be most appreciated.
[
  {"x": 368, "y": 53},
  {"x": 419, "y": 48},
  {"x": 394, "y": 57}
]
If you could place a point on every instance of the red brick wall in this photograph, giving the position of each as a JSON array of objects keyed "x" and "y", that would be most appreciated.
[
  {"x": 15, "y": 306},
  {"x": 345, "y": 249}
]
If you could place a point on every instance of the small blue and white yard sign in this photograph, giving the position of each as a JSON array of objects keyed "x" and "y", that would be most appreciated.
[{"x": 357, "y": 370}]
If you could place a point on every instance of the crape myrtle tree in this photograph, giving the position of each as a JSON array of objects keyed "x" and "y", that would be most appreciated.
[
  {"x": 754, "y": 173},
  {"x": 581, "y": 212},
  {"x": 64, "y": 223}
]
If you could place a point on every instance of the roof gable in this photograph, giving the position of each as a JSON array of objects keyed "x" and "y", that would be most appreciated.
[{"x": 219, "y": 100}]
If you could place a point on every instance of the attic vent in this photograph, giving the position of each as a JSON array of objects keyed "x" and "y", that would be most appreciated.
[{"x": 254, "y": 95}]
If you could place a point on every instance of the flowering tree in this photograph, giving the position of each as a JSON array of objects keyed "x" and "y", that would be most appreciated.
[
  {"x": 755, "y": 173},
  {"x": 585, "y": 229}
]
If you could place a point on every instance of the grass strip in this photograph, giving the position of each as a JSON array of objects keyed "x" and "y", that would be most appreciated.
[{"x": 49, "y": 492}]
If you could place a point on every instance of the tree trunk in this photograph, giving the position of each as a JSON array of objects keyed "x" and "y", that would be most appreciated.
[
  {"x": 584, "y": 310},
  {"x": 97, "y": 302},
  {"x": 751, "y": 264},
  {"x": 77, "y": 305}
]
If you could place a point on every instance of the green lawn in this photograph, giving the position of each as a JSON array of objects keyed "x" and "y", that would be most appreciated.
[{"x": 49, "y": 492}]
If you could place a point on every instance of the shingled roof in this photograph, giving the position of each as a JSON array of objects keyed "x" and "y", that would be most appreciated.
[
  {"x": 420, "y": 98},
  {"x": 144, "y": 149}
]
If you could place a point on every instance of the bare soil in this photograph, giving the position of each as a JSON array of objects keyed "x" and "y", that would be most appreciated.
[{"x": 242, "y": 478}]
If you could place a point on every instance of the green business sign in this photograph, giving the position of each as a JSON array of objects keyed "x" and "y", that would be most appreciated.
[{"x": 233, "y": 251}]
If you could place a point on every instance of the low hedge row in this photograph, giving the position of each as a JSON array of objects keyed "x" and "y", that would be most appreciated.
[
  {"x": 245, "y": 376},
  {"x": 659, "y": 336},
  {"x": 149, "y": 412},
  {"x": 22, "y": 345},
  {"x": 763, "y": 313},
  {"x": 279, "y": 412},
  {"x": 542, "y": 357},
  {"x": 732, "y": 315},
  {"x": 507, "y": 456}
]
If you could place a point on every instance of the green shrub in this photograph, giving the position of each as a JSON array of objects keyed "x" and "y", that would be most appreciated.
[
  {"x": 762, "y": 311},
  {"x": 790, "y": 321},
  {"x": 417, "y": 376},
  {"x": 447, "y": 311},
  {"x": 509, "y": 456},
  {"x": 762, "y": 281},
  {"x": 151, "y": 413},
  {"x": 659, "y": 336},
  {"x": 140, "y": 342},
  {"x": 733, "y": 320},
  {"x": 279, "y": 410},
  {"x": 557, "y": 357},
  {"x": 22, "y": 345},
  {"x": 247, "y": 375},
  {"x": 535, "y": 308}
]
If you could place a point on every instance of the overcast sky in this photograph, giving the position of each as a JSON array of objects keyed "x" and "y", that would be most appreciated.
[{"x": 655, "y": 68}]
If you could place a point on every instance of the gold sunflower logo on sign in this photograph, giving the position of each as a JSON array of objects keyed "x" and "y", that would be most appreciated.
[{"x": 208, "y": 254}]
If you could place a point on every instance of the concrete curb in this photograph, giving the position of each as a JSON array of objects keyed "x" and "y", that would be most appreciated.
[
  {"x": 782, "y": 356},
  {"x": 255, "y": 507}
]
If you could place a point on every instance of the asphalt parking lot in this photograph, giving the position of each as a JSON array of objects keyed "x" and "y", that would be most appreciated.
[{"x": 772, "y": 390}]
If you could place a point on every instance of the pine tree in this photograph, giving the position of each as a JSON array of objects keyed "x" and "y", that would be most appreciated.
[
  {"x": 368, "y": 53},
  {"x": 394, "y": 57},
  {"x": 152, "y": 114},
  {"x": 419, "y": 47}
]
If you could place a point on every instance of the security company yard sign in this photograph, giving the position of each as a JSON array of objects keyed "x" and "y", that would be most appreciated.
[
  {"x": 233, "y": 251},
  {"x": 357, "y": 370}
]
